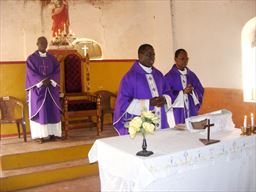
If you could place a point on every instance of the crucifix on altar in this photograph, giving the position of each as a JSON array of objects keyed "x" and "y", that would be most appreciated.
[{"x": 208, "y": 140}]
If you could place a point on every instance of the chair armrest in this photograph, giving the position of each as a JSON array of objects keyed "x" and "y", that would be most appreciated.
[
  {"x": 81, "y": 96},
  {"x": 21, "y": 105},
  {"x": 113, "y": 95}
]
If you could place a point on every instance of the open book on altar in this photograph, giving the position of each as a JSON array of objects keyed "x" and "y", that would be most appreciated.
[{"x": 222, "y": 120}]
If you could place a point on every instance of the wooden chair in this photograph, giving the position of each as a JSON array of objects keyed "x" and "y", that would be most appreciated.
[
  {"x": 12, "y": 111},
  {"x": 106, "y": 105},
  {"x": 78, "y": 104}
]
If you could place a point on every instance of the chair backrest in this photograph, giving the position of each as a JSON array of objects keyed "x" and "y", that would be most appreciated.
[
  {"x": 74, "y": 71},
  {"x": 72, "y": 74},
  {"x": 106, "y": 96},
  {"x": 11, "y": 108}
]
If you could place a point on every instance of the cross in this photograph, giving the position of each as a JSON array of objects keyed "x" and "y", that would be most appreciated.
[
  {"x": 208, "y": 140},
  {"x": 85, "y": 48},
  {"x": 208, "y": 126},
  {"x": 43, "y": 67}
]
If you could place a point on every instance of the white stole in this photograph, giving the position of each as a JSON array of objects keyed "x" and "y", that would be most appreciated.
[
  {"x": 137, "y": 105},
  {"x": 182, "y": 99}
]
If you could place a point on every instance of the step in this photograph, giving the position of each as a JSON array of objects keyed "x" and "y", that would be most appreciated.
[
  {"x": 23, "y": 178},
  {"x": 29, "y": 164},
  {"x": 43, "y": 157}
]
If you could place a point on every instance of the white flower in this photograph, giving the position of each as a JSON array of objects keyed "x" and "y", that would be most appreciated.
[
  {"x": 148, "y": 114},
  {"x": 155, "y": 120},
  {"x": 136, "y": 123},
  {"x": 144, "y": 123},
  {"x": 132, "y": 132},
  {"x": 148, "y": 127}
]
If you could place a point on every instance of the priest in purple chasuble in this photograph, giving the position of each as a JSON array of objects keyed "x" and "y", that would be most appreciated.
[
  {"x": 42, "y": 86},
  {"x": 142, "y": 87},
  {"x": 186, "y": 88}
]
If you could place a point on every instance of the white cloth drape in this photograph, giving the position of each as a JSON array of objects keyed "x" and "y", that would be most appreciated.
[{"x": 180, "y": 162}]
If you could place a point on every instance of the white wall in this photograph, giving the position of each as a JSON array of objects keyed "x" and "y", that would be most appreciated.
[
  {"x": 20, "y": 25},
  {"x": 118, "y": 26},
  {"x": 211, "y": 33},
  {"x": 209, "y": 30},
  {"x": 121, "y": 26}
]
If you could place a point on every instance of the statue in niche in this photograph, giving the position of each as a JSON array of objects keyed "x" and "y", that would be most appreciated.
[{"x": 60, "y": 17}]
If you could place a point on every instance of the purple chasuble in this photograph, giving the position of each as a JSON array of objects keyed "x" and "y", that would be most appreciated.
[
  {"x": 44, "y": 102},
  {"x": 174, "y": 80},
  {"x": 134, "y": 85}
]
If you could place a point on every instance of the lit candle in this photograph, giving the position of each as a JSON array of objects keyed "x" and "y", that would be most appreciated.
[
  {"x": 245, "y": 121},
  {"x": 55, "y": 34},
  {"x": 252, "y": 120},
  {"x": 64, "y": 28},
  {"x": 58, "y": 31}
]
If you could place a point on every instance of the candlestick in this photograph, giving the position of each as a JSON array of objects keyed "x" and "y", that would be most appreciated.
[
  {"x": 245, "y": 121},
  {"x": 252, "y": 120}
]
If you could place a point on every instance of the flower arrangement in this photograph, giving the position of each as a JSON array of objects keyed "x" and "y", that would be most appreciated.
[
  {"x": 145, "y": 123},
  {"x": 63, "y": 38}
]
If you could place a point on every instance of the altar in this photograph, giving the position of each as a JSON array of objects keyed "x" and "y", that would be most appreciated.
[{"x": 180, "y": 162}]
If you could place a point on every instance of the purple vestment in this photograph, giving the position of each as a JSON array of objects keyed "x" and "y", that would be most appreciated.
[
  {"x": 134, "y": 85},
  {"x": 44, "y": 101},
  {"x": 174, "y": 81}
]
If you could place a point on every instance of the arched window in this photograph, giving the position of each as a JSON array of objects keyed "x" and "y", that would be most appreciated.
[
  {"x": 249, "y": 60},
  {"x": 90, "y": 46}
]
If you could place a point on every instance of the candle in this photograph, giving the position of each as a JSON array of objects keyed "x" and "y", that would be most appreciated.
[
  {"x": 64, "y": 28},
  {"x": 245, "y": 121},
  {"x": 252, "y": 120},
  {"x": 55, "y": 34},
  {"x": 58, "y": 31}
]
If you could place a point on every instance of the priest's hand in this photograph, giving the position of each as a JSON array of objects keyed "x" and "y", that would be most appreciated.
[
  {"x": 157, "y": 101},
  {"x": 188, "y": 89},
  {"x": 47, "y": 82}
]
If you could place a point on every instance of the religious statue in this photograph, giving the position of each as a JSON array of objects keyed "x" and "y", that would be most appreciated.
[{"x": 60, "y": 17}]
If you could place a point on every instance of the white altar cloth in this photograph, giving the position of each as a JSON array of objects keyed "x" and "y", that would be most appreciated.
[
  {"x": 180, "y": 162},
  {"x": 222, "y": 120}
]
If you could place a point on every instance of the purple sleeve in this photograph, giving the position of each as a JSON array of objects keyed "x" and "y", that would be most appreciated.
[
  {"x": 173, "y": 86},
  {"x": 124, "y": 98},
  {"x": 32, "y": 73}
]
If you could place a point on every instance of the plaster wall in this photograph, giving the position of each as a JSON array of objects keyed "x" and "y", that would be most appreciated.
[
  {"x": 211, "y": 33},
  {"x": 209, "y": 30}
]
